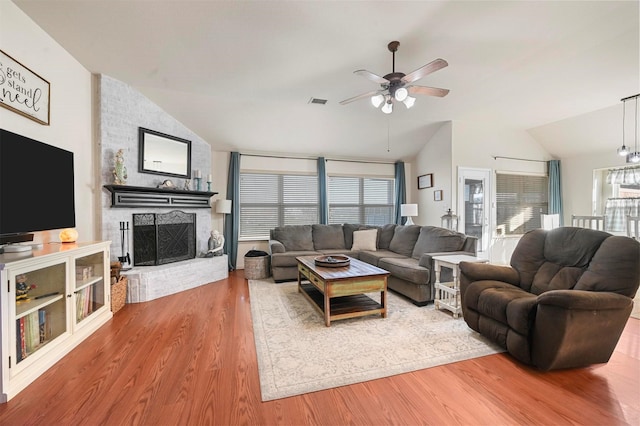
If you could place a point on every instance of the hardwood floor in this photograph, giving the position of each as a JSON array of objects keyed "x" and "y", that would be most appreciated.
[{"x": 189, "y": 359}]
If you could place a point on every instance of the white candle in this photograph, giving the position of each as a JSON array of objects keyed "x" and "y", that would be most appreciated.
[
  {"x": 209, "y": 178},
  {"x": 196, "y": 174}
]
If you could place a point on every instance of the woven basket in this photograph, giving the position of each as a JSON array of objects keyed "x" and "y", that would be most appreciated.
[
  {"x": 118, "y": 294},
  {"x": 256, "y": 268}
]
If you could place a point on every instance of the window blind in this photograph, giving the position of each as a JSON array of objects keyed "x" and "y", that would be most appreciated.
[
  {"x": 520, "y": 200},
  {"x": 361, "y": 200},
  {"x": 270, "y": 200}
]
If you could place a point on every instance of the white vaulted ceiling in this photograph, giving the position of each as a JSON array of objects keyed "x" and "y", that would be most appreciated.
[{"x": 240, "y": 73}]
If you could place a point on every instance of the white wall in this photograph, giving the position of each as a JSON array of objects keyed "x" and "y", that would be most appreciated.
[
  {"x": 434, "y": 158},
  {"x": 70, "y": 109},
  {"x": 577, "y": 180}
]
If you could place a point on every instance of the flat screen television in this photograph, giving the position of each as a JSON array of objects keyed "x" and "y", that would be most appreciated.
[{"x": 36, "y": 188}]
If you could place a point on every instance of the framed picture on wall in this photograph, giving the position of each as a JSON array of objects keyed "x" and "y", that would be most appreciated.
[
  {"x": 437, "y": 195},
  {"x": 23, "y": 91},
  {"x": 425, "y": 181}
]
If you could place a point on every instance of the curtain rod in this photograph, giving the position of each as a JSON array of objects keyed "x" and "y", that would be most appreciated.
[
  {"x": 313, "y": 158},
  {"x": 495, "y": 157}
]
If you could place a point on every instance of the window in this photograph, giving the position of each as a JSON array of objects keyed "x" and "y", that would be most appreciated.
[
  {"x": 520, "y": 200},
  {"x": 620, "y": 192},
  {"x": 363, "y": 200},
  {"x": 270, "y": 200}
]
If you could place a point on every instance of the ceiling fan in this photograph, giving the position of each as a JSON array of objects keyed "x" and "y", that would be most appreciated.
[{"x": 397, "y": 86}]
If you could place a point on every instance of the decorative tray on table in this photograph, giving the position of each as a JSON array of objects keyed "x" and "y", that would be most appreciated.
[{"x": 334, "y": 261}]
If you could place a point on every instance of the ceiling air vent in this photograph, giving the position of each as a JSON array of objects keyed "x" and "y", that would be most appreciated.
[{"x": 317, "y": 101}]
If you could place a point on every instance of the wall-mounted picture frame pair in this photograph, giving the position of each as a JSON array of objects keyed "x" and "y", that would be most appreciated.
[{"x": 425, "y": 181}]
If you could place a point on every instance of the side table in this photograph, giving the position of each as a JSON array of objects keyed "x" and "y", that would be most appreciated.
[{"x": 448, "y": 294}]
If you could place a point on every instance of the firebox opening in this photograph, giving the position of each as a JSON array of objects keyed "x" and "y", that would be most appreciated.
[{"x": 160, "y": 238}]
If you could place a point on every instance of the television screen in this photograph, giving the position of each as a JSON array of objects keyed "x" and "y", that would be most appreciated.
[{"x": 36, "y": 186}]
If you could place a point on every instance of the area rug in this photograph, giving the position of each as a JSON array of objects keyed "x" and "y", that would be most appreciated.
[{"x": 297, "y": 354}]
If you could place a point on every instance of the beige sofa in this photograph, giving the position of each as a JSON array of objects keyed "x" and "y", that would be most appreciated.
[{"x": 405, "y": 251}]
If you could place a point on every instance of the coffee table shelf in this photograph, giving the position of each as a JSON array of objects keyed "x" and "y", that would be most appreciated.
[{"x": 357, "y": 305}]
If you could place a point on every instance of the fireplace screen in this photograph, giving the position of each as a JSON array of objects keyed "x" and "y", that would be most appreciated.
[{"x": 160, "y": 238}]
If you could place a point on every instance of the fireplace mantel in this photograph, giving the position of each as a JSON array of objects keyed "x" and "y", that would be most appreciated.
[{"x": 138, "y": 196}]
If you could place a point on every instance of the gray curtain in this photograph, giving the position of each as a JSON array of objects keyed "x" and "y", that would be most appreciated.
[
  {"x": 232, "y": 221},
  {"x": 401, "y": 196},
  {"x": 555, "y": 189},
  {"x": 322, "y": 191}
]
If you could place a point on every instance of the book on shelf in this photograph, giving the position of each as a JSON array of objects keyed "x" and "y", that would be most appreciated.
[{"x": 32, "y": 330}]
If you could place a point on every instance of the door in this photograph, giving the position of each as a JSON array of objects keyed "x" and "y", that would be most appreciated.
[{"x": 474, "y": 204}]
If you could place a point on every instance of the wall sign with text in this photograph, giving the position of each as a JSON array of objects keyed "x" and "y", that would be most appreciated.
[{"x": 23, "y": 91}]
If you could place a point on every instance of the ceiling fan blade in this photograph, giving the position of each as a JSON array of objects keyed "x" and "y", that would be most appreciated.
[
  {"x": 430, "y": 91},
  {"x": 371, "y": 76},
  {"x": 432, "y": 66},
  {"x": 362, "y": 96}
]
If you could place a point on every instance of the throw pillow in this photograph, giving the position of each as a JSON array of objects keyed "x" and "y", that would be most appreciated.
[{"x": 365, "y": 240}]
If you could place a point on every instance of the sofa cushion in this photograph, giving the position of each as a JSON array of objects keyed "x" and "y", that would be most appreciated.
[
  {"x": 328, "y": 237},
  {"x": 354, "y": 254},
  {"x": 608, "y": 271},
  {"x": 289, "y": 258},
  {"x": 385, "y": 235},
  {"x": 373, "y": 257},
  {"x": 365, "y": 239},
  {"x": 404, "y": 239},
  {"x": 294, "y": 237},
  {"x": 437, "y": 240},
  {"x": 405, "y": 268},
  {"x": 503, "y": 303}
]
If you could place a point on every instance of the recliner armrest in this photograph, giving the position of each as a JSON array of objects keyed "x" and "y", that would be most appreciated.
[
  {"x": 575, "y": 328},
  {"x": 584, "y": 300},
  {"x": 486, "y": 271},
  {"x": 276, "y": 246}
]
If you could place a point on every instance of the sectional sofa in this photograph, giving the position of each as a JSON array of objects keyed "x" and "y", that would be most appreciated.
[{"x": 405, "y": 251}]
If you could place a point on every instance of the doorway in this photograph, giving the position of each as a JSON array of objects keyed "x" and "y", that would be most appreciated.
[{"x": 474, "y": 204}]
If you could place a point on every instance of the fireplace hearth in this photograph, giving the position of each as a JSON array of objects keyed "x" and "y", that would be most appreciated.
[{"x": 160, "y": 238}]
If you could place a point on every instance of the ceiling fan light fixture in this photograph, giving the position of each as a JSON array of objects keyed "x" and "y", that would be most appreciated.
[
  {"x": 387, "y": 108},
  {"x": 409, "y": 101},
  {"x": 377, "y": 100},
  {"x": 401, "y": 94}
]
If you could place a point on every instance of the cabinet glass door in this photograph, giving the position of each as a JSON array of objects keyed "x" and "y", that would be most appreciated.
[
  {"x": 40, "y": 307},
  {"x": 89, "y": 285}
]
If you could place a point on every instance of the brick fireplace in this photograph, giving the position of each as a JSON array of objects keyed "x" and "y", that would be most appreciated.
[{"x": 122, "y": 111}]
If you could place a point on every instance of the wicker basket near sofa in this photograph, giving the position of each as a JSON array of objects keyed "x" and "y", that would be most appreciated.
[{"x": 257, "y": 267}]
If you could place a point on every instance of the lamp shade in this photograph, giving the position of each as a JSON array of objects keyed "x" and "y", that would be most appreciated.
[
  {"x": 409, "y": 101},
  {"x": 401, "y": 94},
  {"x": 223, "y": 206},
  {"x": 377, "y": 100},
  {"x": 408, "y": 210}
]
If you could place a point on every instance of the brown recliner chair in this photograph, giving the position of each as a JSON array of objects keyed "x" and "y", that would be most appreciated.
[{"x": 562, "y": 303}]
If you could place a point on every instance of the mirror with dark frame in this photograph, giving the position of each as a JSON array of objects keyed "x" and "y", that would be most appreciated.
[{"x": 162, "y": 154}]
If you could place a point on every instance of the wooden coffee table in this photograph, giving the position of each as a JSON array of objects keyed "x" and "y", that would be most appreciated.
[{"x": 339, "y": 293}]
